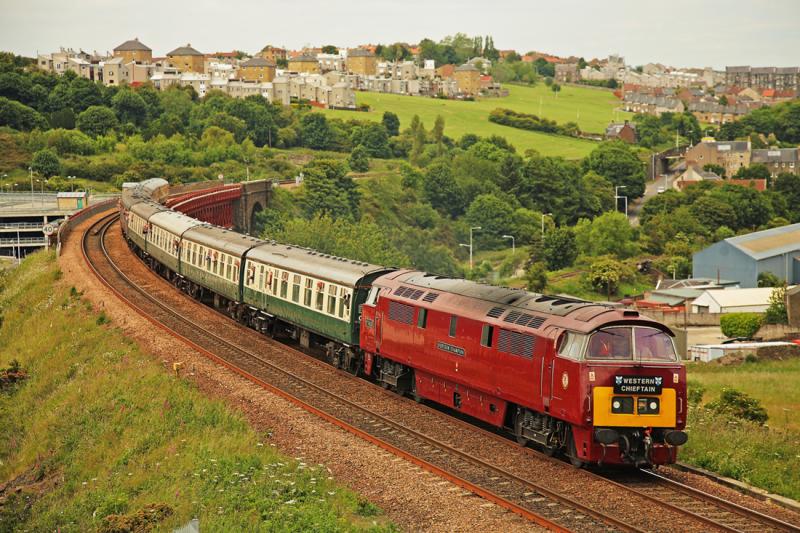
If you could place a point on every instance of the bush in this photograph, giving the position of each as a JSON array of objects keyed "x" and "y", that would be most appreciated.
[
  {"x": 737, "y": 404},
  {"x": 776, "y": 312},
  {"x": 740, "y": 324},
  {"x": 359, "y": 159},
  {"x": 526, "y": 121},
  {"x": 695, "y": 393},
  {"x": 46, "y": 163}
]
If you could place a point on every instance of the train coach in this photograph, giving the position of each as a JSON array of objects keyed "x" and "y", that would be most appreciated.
[{"x": 596, "y": 383}]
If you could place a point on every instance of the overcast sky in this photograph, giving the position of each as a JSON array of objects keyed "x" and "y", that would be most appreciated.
[{"x": 676, "y": 32}]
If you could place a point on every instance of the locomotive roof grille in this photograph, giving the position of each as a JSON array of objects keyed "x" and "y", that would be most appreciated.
[
  {"x": 495, "y": 312},
  {"x": 430, "y": 297}
]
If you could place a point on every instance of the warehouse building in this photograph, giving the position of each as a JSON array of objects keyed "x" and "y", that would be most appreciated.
[{"x": 744, "y": 257}]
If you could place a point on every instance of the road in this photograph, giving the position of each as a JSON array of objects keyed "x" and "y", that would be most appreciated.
[{"x": 651, "y": 189}]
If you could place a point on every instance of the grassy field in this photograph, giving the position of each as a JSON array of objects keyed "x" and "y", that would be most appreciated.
[
  {"x": 591, "y": 109},
  {"x": 100, "y": 429},
  {"x": 766, "y": 456}
]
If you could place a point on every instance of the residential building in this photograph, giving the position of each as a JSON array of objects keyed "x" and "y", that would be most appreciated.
[
  {"x": 330, "y": 62},
  {"x": 468, "y": 79},
  {"x": 361, "y": 61},
  {"x": 273, "y": 53},
  {"x": 780, "y": 78},
  {"x": 744, "y": 257},
  {"x": 624, "y": 131},
  {"x": 567, "y": 72},
  {"x": 778, "y": 160},
  {"x": 650, "y": 104},
  {"x": 187, "y": 59},
  {"x": 715, "y": 113},
  {"x": 257, "y": 69},
  {"x": 304, "y": 63},
  {"x": 731, "y": 155},
  {"x": 693, "y": 174},
  {"x": 134, "y": 51}
]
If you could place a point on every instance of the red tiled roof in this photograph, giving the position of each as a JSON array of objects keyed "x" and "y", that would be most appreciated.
[
  {"x": 769, "y": 93},
  {"x": 758, "y": 184}
]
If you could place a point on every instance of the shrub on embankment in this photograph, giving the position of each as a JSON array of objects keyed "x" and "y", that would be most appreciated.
[{"x": 99, "y": 437}]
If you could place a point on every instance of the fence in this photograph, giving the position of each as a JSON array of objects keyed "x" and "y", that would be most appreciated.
[{"x": 679, "y": 319}]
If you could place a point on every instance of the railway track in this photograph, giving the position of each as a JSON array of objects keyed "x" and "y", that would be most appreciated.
[
  {"x": 525, "y": 497},
  {"x": 713, "y": 510},
  {"x": 522, "y": 496}
]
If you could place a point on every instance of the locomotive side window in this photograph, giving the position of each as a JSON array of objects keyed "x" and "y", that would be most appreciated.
[
  {"x": 422, "y": 318},
  {"x": 570, "y": 345},
  {"x": 453, "y": 325},
  {"x": 486, "y": 335}
]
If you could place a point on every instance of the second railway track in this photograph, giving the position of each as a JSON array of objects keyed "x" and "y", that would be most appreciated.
[{"x": 518, "y": 494}]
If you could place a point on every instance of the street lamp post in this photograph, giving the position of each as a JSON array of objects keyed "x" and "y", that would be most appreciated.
[
  {"x": 30, "y": 170},
  {"x": 71, "y": 183},
  {"x": 513, "y": 243},
  {"x": 470, "y": 244},
  {"x": 617, "y": 197},
  {"x": 544, "y": 215}
]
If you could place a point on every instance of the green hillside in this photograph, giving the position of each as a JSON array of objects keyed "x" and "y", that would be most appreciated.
[{"x": 591, "y": 109}]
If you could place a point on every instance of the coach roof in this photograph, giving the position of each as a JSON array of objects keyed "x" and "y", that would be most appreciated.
[
  {"x": 313, "y": 263},
  {"x": 221, "y": 239}
]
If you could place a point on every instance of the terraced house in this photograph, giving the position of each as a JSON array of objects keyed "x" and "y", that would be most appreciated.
[{"x": 257, "y": 69}]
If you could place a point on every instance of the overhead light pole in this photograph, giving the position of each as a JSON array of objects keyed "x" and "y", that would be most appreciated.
[
  {"x": 478, "y": 228},
  {"x": 513, "y": 243},
  {"x": 30, "y": 170},
  {"x": 545, "y": 215}
]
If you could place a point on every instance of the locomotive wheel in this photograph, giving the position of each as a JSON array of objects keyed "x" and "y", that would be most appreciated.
[{"x": 522, "y": 441}]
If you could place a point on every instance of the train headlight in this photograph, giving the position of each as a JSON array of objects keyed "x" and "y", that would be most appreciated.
[
  {"x": 648, "y": 406},
  {"x": 622, "y": 405}
]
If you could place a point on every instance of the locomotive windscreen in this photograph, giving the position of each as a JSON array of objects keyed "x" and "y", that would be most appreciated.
[{"x": 626, "y": 343}]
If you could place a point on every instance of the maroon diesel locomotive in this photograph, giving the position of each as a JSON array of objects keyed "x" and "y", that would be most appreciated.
[{"x": 600, "y": 384}]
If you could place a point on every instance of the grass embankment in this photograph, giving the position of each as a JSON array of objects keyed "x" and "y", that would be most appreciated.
[
  {"x": 769, "y": 456},
  {"x": 99, "y": 429},
  {"x": 591, "y": 109}
]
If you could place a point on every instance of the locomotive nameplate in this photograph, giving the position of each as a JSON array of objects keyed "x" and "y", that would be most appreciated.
[
  {"x": 451, "y": 349},
  {"x": 637, "y": 384}
]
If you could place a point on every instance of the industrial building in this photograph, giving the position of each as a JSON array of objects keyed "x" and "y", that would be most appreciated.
[{"x": 744, "y": 257}]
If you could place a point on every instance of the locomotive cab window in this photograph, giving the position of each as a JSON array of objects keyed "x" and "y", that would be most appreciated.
[
  {"x": 570, "y": 345},
  {"x": 624, "y": 343}
]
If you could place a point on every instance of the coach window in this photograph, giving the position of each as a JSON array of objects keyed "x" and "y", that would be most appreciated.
[
  {"x": 486, "y": 335},
  {"x": 332, "y": 299},
  {"x": 275, "y": 282},
  {"x": 320, "y": 295},
  {"x": 345, "y": 307},
  {"x": 307, "y": 293},
  {"x": 453, "y": 325},
  {"x": 422, "y": 318},
  {"x": 284, "y": 284},
  {"x": 260, "y": 277},
  {"x": 296, "y": 288}
]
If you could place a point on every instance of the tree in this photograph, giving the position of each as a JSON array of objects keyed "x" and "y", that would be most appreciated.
[
  {"x": 788, "y": 186},
  {"x": 556, "y": 88},
  {"x": 719, "y": 170},
  {"x": 618, "y": 163},
  {"x": 605, "y": 274},
  {"x": 97, "y": 120},
  {"x": 359, "y": 159},
  {"x": 559, "y": 248},
  {"x": 19, "y": 116},
  {"x": 776, "y": 312},
  {"x": 419, "y": 139},
  {"x": 438, "y": 134},
  {"x": 768, "y": 279},
  {"x": 373, "y": 138},
  {"x": 723, "y": 100},
  {"x": 46, "y": 163},
  {"x": 441, "y": 189},
  {"x": 129, "y": 107},
  {"x": 314, "y": 131},
  {"x": 391, "y": 123},
  {"x": 713, "y": 213},
  {"x": 536, "y": 277},
  {"x": 754, "y": 171},
  {"x": 330, "y": 49},
  {"x": 608, "y": 234},
  {"x": 492, "y": 214},
  {"x": 328, "y": 191}
]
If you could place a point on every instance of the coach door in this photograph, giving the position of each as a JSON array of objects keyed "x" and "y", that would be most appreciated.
[{"x": 369, "y": 335}]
